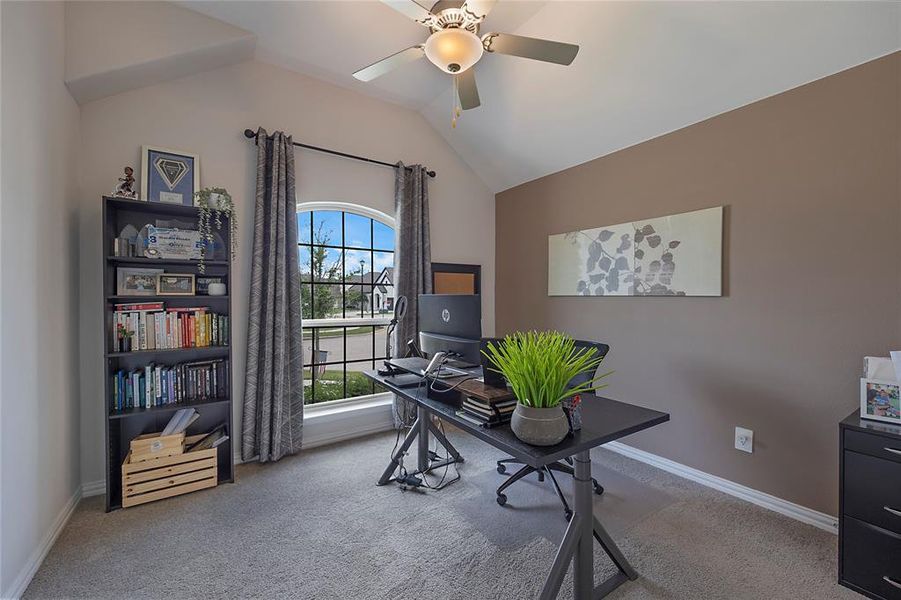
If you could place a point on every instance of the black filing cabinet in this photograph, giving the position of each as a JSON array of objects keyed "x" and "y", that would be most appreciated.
[{"x": 869, "y": 530}]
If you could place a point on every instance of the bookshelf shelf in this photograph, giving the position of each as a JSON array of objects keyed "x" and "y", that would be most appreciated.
[
  {"x": 140, "y": 299},
  {"x": 124, "y": 425},
  {"x": 172, "y": 352},
  {"x": 131, "y": 412},
  {"x": 140, "y": 260}
]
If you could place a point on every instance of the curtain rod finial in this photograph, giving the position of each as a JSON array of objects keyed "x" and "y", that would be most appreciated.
[{"x": 249, "y": 133}]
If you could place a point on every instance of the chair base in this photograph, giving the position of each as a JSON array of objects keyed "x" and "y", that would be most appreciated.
[{"x": 547, "y": 469}]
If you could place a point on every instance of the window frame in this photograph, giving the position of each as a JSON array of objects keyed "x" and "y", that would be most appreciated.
[{"x": 347, "y": 321}]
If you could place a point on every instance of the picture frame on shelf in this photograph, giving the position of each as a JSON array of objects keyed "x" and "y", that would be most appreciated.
[
  {"x": 880, "y": 400},
  {"x": 131, "y": 281},
  {"x": 175, "y": 284},
  {"x": 169, "y": 176}
]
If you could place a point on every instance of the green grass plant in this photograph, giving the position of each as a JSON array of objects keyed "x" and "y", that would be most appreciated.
[{"x": 540, "y": 364}]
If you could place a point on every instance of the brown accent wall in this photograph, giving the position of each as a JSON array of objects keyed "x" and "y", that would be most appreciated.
[{"x": 810, "y": 179}]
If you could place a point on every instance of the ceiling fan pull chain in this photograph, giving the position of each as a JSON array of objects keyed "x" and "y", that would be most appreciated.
[{"x": 454, "y": 111}]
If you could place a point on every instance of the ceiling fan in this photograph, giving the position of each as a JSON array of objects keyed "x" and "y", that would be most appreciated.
[{"x": 455, "y": 46}]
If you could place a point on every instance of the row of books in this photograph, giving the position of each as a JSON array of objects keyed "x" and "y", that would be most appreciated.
[
  {"x": 487, "y": 414},
  {"x": 151, "y": 326},
  {"x": 160, "y": 385}
]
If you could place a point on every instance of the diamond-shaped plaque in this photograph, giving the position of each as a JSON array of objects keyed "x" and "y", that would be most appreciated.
[{"x": 171, "y": 170}]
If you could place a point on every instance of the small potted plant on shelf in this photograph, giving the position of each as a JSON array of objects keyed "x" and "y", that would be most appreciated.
[
  {"x": 539, "y": 366},
  {"x": 124, "y": 337},
  {"x": 213, "y": 204}
]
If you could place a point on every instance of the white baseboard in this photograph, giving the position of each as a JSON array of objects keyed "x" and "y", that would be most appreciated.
[
  {"x": 20, "y": 584},
  {"x": 762, "y": 499}
]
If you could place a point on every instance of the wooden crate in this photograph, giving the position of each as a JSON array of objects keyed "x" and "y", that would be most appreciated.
[
  {"x": 168, "y": 476},
  {"x": 153, "y": 445}
]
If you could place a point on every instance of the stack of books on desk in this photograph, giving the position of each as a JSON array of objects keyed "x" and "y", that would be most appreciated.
[
  {"x": 485, "y": 405},
  {"x": 488, "y": 414}
]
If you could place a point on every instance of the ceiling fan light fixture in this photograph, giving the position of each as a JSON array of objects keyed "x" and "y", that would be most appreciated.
[{"x": 453, "y": 50}]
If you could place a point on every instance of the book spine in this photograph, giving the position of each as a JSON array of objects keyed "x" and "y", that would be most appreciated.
[
  {"x": 120, "y": 381},
  {"x": 148, "y": 386},
  {"x": 141, "y": 328},
  {"x": 138, "y": 307}
]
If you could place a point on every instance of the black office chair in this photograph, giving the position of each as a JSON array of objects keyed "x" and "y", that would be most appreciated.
[{"x": 563, "y": 467}]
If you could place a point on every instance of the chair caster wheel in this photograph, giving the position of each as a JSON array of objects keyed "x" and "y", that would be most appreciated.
[
  {"x": 540, "y": 476},
  {"x": 568, "y": 514},
  {"x": 501, "y": 499},
  {"x": 598, "y": 489},
  {"x": 501, "y": 469}
]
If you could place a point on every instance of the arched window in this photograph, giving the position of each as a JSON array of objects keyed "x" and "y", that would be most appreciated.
[{"x": 347, "y": 292}]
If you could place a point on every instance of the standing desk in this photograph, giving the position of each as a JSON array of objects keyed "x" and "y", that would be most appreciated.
[{"x": 603, "y": 420}]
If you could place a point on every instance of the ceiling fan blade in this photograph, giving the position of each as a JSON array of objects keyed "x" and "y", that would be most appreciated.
[
  {"x": 526, "y": 47},
  {"x": 479, "y": 9},
  {"x": 411, "y": 10},
  {"x": 467, "y": 90},
  {"x": 389, "y": 64}
]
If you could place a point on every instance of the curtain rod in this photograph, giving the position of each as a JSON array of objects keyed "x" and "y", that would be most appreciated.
[{"x": 251, "y": 134}]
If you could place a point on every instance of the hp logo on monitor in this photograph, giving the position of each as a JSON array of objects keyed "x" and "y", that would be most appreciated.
[{"x": 445, "y": 315}]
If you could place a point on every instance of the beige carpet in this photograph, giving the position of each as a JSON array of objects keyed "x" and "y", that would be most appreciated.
[{"x": 316, "y": 526}]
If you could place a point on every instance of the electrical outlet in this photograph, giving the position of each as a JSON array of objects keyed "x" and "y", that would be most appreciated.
[{"x": 744, "y": 440}]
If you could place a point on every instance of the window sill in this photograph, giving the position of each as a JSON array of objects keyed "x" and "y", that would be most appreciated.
[
  {"x": 341, "y": 420},
  {"x": 347, "y": 321},
  {"x": 311, "y": 411}
]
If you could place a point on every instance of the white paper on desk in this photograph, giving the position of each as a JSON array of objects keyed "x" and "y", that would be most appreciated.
[
  {"x": 879, "y": 367},
  {"x": 896, "y": 362}
]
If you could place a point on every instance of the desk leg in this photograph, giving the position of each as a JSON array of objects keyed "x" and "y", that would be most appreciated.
[
  {"x": 422, "y": 417},
  {"x": 561, "y": 561},
  {"x": 613, "y": 550},
  {"x": 442, "y": 439},
  {"x": 395, "y": 459},
  {"x": 420, "y": 431},
  {"x": 583, "y": 563},
  {"x": 578, "y": 545}
]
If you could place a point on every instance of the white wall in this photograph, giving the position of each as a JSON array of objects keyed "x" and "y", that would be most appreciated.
[
  {"x": 39, "y": 416},
  {"x": 153, "y": 42},
  {"x": 207, "y": 114}
]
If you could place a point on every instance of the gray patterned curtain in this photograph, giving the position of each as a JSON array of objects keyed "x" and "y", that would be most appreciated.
[
  {"x": 273, "y": 390},
  {"x": 412, "y": 261}
]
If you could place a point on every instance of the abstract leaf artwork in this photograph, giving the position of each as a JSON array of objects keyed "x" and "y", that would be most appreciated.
[{"x": 676, "y": 255}]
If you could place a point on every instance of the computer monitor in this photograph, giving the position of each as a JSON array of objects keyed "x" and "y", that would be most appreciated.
[{"x": 451, "y": 323}]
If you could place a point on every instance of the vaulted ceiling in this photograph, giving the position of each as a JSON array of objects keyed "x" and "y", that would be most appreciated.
[{"x": 644, "y": 69}]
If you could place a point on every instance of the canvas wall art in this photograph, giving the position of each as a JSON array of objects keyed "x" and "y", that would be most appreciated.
[{"x": 676, "y": 255}]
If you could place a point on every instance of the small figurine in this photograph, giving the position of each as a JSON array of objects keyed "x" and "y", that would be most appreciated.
[{"x": 126, "y": 185}]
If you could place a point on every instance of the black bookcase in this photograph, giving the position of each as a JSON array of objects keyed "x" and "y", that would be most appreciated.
[{"x": 124, "y": 425}]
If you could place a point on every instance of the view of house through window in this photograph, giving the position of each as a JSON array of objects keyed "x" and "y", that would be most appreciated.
[{"x": 347, "y": 292}]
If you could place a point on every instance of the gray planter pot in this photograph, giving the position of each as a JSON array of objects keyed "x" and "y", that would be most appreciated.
[{"x": 539, "y": 426}]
